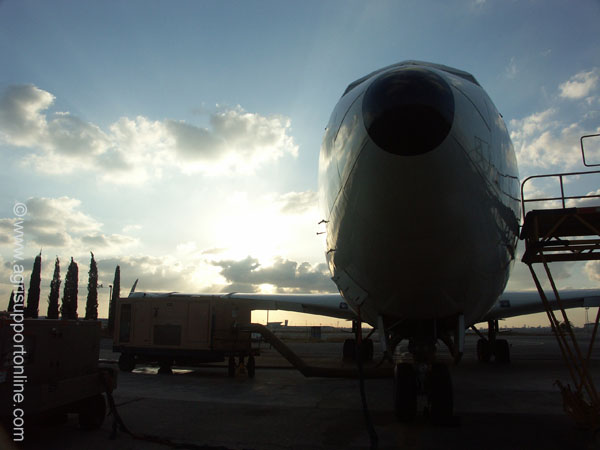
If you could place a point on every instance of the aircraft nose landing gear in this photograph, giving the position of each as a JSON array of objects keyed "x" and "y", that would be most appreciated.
[
  {"x": 433, "y": 381},
  {"x": 423, "y": 378},
  {"x": 440, "y": 396},
  {"x": 405, "y": 391},
  {"x": 492, "y": 346}
]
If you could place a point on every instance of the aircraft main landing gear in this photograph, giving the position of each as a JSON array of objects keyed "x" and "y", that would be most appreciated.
[
  {"x": 498, "y": 348},
  {"x": 350, "y": 349},
  {"x": 248, "y": 368}
]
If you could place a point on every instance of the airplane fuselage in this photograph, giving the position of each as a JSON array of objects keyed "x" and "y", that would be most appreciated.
[{"x": 419, "y": 186}]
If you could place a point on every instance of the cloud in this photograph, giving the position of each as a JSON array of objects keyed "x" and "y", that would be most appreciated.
[
  {"x": 580, "y": 85},
  {"x": 6, "y": 231},
  {"x": 593, "y": 199},
  {"x": 134, "y": 150},
  {"x": 187, "y": 248},
  {"x": 194, "y": 143},
  {"x": 59, "y": 213},
  {"x": 511, "y": 70},
  {"x": 60, "y": 223},
  {"x": 287, "y": 276},
  {"x": 592, "y": 270},
  {"x": 142, "y": 148},
  {"x": 69, "y": 135},
  {"x": 236, "y": 142},
  {"x": 169, "y": 273},
  {"x": 183, "y": 273},
  {"x": 214, "y": 251},
  {"x": 532, "y": 124},
  {"x": 544, "y": 140},
  {"x": 541, "y": 142},
  {"x": 521, "y": 279},
  {"x": 53, "y": 222},
  {"x": 249, "y": 133},
  {"x": 298, "y": 202},
  {"x": 155, "y": 273},
  {"x": 103, "y": 241},
  {"x": 542, "y": 188},
  {"x": 131, "y": 228},
  {"x": 477, "y": 4},
  {"x": 64, "y": 142},
  {"x": 21, "y": 115}
]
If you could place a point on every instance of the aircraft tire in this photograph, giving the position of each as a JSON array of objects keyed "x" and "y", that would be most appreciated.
[
  {"x": 231, "y": 367},
  {"x": 368, "y": 350},
  {"x": 349, "y": 351},
  {"x": 502, "y": 351},
  {"x": 164, "y": 367},
  {"x": 440, "y": 394},
  {"x": 365, "y": 350},
  {"x": 251, "y": 366},
  {"x": 126, "y": 362},
  {"x": 484, "y": 352},
  {"x": 92, "y": 412},
  {"x": 405, "y": 392}
]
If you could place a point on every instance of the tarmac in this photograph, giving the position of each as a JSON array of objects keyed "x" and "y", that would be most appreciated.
[{"x": 510, "y": 406}]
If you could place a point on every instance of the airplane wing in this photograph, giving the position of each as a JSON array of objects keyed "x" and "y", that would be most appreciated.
[
  {"x": 511, "y": 304},
  {"x": 331, "y": 305}
]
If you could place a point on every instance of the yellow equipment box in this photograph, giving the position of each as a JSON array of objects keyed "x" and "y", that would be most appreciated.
[{"x": 180, "y": 329}]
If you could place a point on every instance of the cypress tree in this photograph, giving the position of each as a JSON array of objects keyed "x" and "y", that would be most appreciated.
[
  {"x": 91, "y": 306},
  {"x": 54, "y": 292},
  {"x": 116, "y": 293},
  {"x": 11, "y": 302},
  {"x": 69, "y": 301},
  {"x": 33, "y": 295}
]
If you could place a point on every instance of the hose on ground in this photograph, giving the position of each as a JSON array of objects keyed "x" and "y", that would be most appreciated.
[{"x": 373, "y": 438}]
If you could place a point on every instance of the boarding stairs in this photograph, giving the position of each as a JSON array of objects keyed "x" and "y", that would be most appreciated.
[{"x": 567, "y": 231}]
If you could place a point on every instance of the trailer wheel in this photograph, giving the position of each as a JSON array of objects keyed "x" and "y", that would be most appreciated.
[
  {"x": 53, "y": 417},
  {"x": 92, "y": 412},
  {"x": 165, "y": 366},
  {"x": 251, "y": 366},
  {"x": 126, "y": 362},
  {"x": 231, "y": 367}
]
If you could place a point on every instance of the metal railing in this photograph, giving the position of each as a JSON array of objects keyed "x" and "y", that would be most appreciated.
[
  {"x": 560, "y": 177},
  {"x": 562, "y": 198},
  {"x": 583, "y": 151}
]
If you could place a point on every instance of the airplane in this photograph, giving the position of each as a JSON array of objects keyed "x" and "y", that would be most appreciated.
[{"x": 419, "y": 187}]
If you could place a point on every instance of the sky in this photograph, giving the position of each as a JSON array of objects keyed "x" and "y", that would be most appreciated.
[{"x": 180, "y": 140}]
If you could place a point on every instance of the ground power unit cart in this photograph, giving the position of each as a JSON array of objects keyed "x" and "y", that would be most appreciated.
[{"x": 183, "y": 330}]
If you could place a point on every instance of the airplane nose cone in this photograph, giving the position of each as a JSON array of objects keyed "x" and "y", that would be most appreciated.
[{"x": 408, "y": 111}]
